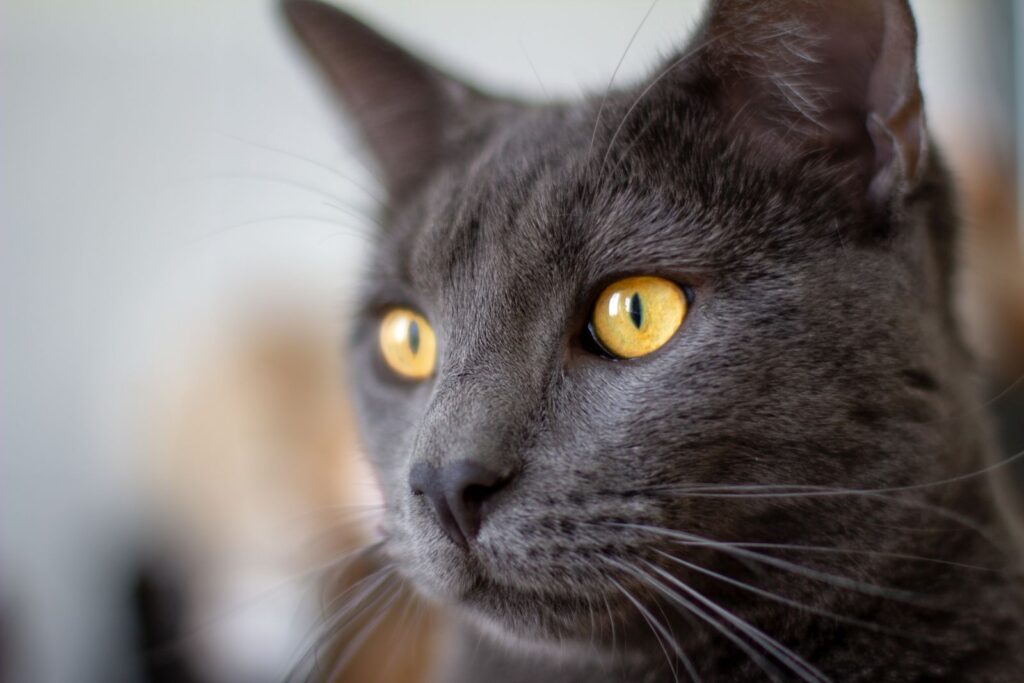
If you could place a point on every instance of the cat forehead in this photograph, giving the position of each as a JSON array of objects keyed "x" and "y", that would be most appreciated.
[{"x": 537, "y": 200}]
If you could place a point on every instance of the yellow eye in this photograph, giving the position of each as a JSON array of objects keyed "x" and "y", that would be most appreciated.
[
  {"x": 408, "y": 344},
  {"x": 637, "y": 315}
]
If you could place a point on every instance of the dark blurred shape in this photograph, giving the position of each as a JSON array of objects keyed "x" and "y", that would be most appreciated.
[
  {"x": 159, "y": 608},
  {"x": 1010, "y": 415},
  {"x": 6, "y": 636}
]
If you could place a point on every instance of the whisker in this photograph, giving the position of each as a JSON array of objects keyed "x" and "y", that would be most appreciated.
[
  {"x": 593, "y": 625},
  {"x": 995, "y": 399},
  {"x": 197, "y": 630},
  {"x": 352, "y": 213},
  {"x": 371, "y": 193},
  {"x": 781, "y": 599},
  {"x": 367, "y": 630},
  {"x": 798, "y": 664},
  {"x": 660, "y": 634},
  {"x": 816, "y": 575},
  {"x": 858, "y": 551},
  {"x": 615, "y": 72},
  {"x": 533, "y": 67},
  {"x": 341, "y": 202},
  {"x": 377, "y": 578},
  {"x": 686, "y": 56},
  {"x": 341, "y": 562},
  {"x": 801, "y": 490},
  {"x": 624, "y": 154},
  {"x": 689, "y": 606},
  {"x": 340, "y": 517},
  {"x": 405, "y": 623},
  {"x": 331, "y": 637},
  {"x": 311, "y": 644},
  {"x": 416, "y": 621},
  {"x": 353, "y": 598},
  {"x": 355, "y": 230},
  {"x": 611, "y": 622},
  {"x": 758, "y": 491}
]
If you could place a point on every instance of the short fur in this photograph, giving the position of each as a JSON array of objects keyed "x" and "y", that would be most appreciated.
[{"x": 817, "y": 395}]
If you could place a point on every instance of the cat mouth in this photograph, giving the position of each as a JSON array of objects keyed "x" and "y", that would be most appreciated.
[{"x": 513, "y": 596}]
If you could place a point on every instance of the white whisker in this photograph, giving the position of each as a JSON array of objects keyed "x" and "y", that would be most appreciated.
[{"x": 798, "y": 664}]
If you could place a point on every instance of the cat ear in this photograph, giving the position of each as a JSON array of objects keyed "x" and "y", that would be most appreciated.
[
  {"x": 400, "y": 103},
  {"x": 837, "y": 76}
]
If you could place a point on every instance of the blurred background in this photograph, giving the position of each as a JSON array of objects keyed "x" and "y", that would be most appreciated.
[{"x": 182, "y": 222}]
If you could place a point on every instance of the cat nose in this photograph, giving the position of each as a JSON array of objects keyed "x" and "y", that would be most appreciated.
[{"x": 458, "y": 492}]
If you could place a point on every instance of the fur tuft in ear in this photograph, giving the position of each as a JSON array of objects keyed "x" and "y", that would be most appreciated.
[
  {"x": 821, "y": 76},
  {"x": 401, "y": 104}
]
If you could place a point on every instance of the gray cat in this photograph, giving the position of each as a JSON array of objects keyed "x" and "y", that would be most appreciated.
[{"x": 667, "y": 384}]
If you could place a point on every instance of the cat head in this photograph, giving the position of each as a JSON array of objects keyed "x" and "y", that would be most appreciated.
[{"x": 766, "y": 212}]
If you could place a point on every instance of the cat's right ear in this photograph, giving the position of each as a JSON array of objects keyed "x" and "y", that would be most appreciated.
[
  {"x": 820, "y": 76},
  {"x": 402, "y": 105}
]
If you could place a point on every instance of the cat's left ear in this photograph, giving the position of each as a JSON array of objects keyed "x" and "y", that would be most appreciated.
[
  {"x": 833, "y": 76},
  {"x": 403, "y": 106}
]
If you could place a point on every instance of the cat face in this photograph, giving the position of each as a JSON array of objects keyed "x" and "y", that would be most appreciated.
[{"x": 798, "y": 225}]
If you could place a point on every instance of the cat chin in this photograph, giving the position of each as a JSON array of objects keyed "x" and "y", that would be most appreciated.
[
  {"x": 534, "y": 644},
  {"x": 530, "y": 632},
  {"x": 517, "y": 616},
  {"x": 555, "y": 645},
  {"x": 527, "y": 619},
  {"x": 501, "y": 611},
  {"x": 446, "y": 587}
]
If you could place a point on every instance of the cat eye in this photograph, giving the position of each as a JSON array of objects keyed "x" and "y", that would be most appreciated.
[
  {"x": 637, "y": 315},
  {"x": 407, "y": 344}
]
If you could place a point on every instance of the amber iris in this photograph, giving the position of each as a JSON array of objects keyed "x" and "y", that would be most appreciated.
[
  {"x": 637, "y": 315},
  {"x": 407, "y": 344}
]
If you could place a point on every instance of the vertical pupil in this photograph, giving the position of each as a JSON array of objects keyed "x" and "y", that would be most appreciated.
[
  {"x": 636, "y": 311},
  {"x": 414, "y": 337}
]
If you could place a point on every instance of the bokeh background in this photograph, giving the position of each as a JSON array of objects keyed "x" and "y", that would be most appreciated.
[{"x": 182, "y": 219}]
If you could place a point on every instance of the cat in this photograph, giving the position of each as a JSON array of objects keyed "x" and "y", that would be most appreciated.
[{"x": 780, "y": 471}]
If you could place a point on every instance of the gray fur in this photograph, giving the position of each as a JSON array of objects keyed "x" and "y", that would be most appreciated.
[{"x": 821, "y": 350}]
